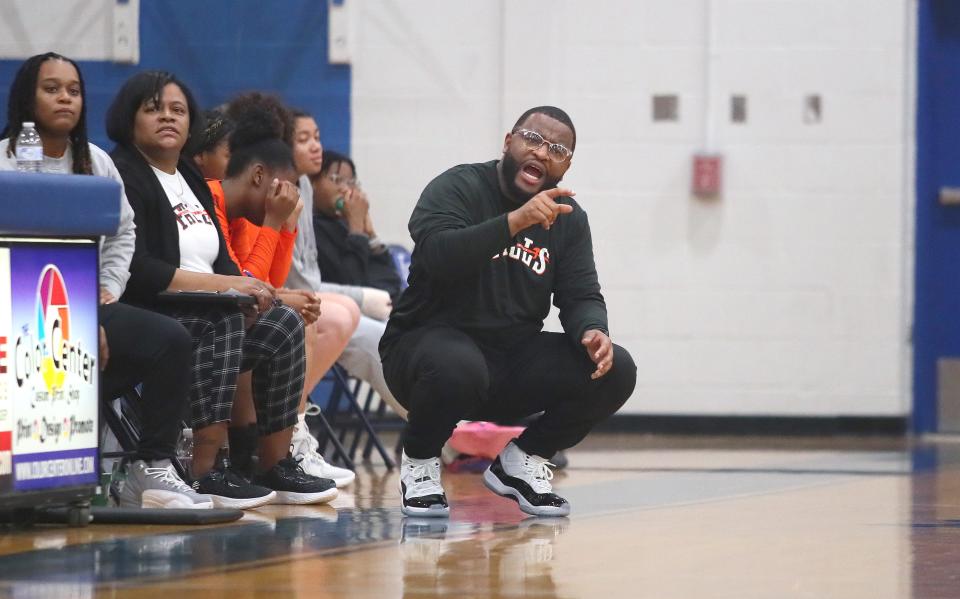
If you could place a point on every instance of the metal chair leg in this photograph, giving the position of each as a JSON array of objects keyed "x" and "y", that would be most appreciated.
[
  {"x": 338, "y": 448},
  {"x": 356, "y": 437},
  {"x": 380, "y": 415},
  {"x": 355, "y": 406}
]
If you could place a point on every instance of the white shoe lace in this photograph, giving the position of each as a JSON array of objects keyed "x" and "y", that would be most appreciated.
[
  {"x": 424, "y": 479},
  {"x": 538, "y": 473},
  {"x": 306, "y": 445},
  {"x": 168, "y": 476}
]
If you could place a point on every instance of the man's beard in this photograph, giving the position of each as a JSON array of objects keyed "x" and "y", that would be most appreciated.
[{"x": 510, "y": 167}]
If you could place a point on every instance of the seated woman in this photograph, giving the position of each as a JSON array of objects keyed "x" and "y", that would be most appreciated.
[
  {"x": 361, "y": 357},
  {"x": 180, "y": 247},
  {"x": 143, "y": 347},
  {"x": 257, "y": 205},
  {"x": 348, "y": 249},
  {"x": 210, "y": 151}
]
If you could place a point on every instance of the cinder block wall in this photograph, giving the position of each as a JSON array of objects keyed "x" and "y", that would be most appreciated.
[{"x": 788, "y": 295}]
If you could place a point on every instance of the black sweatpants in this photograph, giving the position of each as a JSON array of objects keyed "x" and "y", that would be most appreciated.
[
  {"x": 153, "y": 349},
  {"x": 442, "y": 375}
]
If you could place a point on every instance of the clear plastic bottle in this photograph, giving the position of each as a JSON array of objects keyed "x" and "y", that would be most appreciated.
[
  {"x": 185, "y": 447},
  {"x": 29, "y": 149}
]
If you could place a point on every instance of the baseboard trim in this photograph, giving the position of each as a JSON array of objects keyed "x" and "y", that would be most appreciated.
[{"x": 801, "y": 426}]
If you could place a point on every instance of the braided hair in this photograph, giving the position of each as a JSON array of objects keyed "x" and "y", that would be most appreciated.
[
  {"x": 217, "y": 126},
  {"x": 22, "y": 104}
]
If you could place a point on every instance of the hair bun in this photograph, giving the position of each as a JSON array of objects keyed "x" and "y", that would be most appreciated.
[{"x": 258, "y": 117}]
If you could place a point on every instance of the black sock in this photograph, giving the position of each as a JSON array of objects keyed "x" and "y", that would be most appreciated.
[{"x": 243, "y": 448}]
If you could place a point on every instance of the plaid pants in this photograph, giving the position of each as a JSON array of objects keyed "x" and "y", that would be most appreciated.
[{"x": 222, "y": 348}]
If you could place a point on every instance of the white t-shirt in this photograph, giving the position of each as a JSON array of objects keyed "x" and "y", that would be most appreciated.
[{"x": 199, "y": 244}]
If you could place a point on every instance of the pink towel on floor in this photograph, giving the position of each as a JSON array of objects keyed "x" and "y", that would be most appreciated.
[{"x": 483, "y": 439}]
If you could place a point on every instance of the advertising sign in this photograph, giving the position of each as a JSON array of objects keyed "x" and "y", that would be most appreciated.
[
  {"x": 52, "y": 364},
  {"x": 6, "y": 413}
]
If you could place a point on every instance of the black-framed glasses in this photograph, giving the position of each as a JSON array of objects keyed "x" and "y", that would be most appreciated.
[
  {"x": 533, "y": 140},
  {"x": 340, "y": 179}
]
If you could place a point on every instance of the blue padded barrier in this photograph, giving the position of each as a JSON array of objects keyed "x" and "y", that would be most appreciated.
[{"x": 58, "y": 205}]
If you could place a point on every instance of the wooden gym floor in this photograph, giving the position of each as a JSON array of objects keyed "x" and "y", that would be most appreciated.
[{"x": 652, "y": 517}]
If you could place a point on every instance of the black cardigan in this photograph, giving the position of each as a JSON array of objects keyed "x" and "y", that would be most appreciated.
[
  {"x": 157, "y": 253},
  {"x": 345, "y": 257}
]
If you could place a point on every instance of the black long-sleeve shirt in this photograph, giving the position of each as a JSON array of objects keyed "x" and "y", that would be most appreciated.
[
  {"x": 467, "y": 272},
  {"x": 346, "y": 258}
]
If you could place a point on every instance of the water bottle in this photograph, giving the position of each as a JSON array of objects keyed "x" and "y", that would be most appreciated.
[
  {"x": 29, "y": 149},
  {"x": 185, "y": 448}
]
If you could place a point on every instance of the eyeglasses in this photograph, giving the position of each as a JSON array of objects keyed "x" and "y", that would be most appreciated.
[
  {"x": 533, "y": 140},
  {"x": 340, "y": 179}
]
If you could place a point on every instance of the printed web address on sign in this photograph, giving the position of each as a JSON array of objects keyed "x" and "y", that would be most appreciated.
[{"x": 54, "y": 468}]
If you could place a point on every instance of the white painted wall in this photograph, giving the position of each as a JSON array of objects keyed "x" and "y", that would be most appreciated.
[
  {"x": 788, "y": 295},
  {"x": 80, "y": 29}
]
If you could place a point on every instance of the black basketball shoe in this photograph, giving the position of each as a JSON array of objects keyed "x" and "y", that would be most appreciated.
[
  {"x": 228, "y": 489},
  {"x": 294, "y": 486}
]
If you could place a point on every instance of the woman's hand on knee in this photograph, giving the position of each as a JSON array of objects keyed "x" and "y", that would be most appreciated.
[{"x": 306, "y": 303}]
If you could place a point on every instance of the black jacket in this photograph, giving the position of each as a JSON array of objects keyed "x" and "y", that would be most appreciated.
[
  {"x": 157, "y": 253},
  {"x": 345, "y": 258},
  {"x": 468, "y": 272}
]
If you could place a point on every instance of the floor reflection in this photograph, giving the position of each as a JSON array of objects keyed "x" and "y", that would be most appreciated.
[
  {"x": 446, "y": 559},
  {"x": 261, "y": 535},
  {"x": 666, "y": 523},
  {"x": 935, "y": 521}
]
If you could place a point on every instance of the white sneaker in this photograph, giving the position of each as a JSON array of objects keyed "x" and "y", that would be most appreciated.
[
  {"x": 304, "y": 447},
  {"x": 157, "y": 485},
  {"x": 525, "y": 478},
  {"x": 420, "y": 489}
]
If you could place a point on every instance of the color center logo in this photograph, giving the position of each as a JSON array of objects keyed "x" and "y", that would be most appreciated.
[{"x": 53, "y": 325}]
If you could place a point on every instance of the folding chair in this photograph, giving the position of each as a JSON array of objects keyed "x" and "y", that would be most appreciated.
[
  {"x": 338, "y": 420},
  {"x": 124, "y": 421},
  {"x": 401, "y": 262},
  {"x": 379, "y": 419}
]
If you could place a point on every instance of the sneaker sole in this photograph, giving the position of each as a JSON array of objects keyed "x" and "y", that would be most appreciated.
[
  {"x": 156, "y": 498},
  {"x": 235, "y": 503},
  {"x": 340, "y": 481},
  {"x": 344, "y": 481},
  {"x": 436, "y": 511},
  {"x": 293, "y": 498},
  {"x": 493, "y": 483},
  {"x": 173, "y": 503}
]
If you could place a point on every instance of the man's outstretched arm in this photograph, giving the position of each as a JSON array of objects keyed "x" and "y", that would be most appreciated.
[{"x": 450, "y": 246}]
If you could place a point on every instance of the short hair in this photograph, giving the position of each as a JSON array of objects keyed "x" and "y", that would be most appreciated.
[
  {"x": 138, "y": 89},
  {"x": 22, "y": 106},
  {"x": 217, "y": 127},
  {"x": 552, "y": 112},
  {"x": 330, "y": 158},
  {"x": 263, "y": 133}
]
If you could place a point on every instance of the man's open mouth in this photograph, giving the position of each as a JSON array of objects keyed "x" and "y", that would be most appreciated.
[{"x": 532, "y": 173}]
